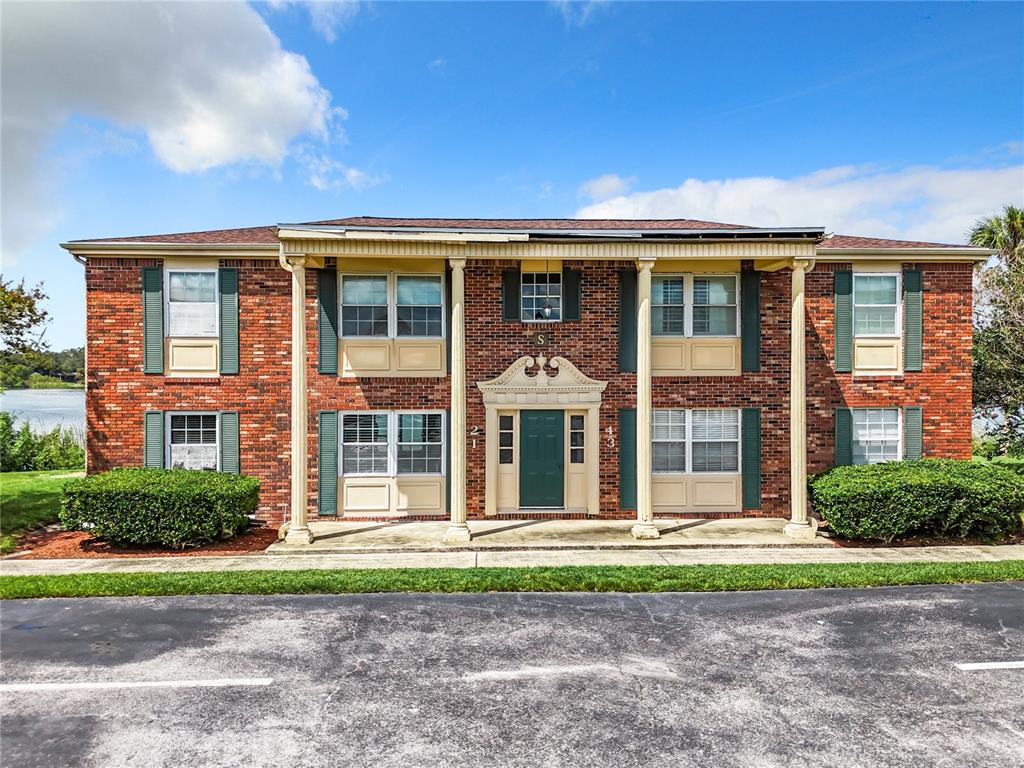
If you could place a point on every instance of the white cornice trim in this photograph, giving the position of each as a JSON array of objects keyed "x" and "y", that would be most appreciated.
[
  {"x": 904, "y": 254},
  {"x": 178, "y": 250}
]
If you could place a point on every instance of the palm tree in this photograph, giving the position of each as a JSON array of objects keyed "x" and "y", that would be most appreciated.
[{"x": 1003, "y": 233}]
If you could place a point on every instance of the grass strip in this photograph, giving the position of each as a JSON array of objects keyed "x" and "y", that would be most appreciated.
[
  {"x": 657, "y": 578},
  {"x": 29, "y": 499}
]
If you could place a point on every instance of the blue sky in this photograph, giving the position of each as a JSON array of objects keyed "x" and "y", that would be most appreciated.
[{"x": 893, "y": 120}]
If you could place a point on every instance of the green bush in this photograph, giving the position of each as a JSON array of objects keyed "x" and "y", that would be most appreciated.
[
  {"x": 21, "y": 450},
  {"x": 169, "y": 507},
  {"x": 928, "y": 497}
]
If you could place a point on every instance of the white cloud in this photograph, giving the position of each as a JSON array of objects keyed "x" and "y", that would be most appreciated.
[
  {"x": 326, "y": 173},
  {"x": 606, "y": 186},
  {"x": 327, "y": 17},
  {"x": 208, "y": 84},
  {"x": 577, "y": 13},
  {"x": 917, "y": 203}
]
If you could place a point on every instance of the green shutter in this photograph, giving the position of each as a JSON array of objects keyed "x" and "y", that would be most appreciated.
[
  {"x": 227, "y": 293},
  {"x": 627, "y": 458},
  {"x": 571, "y": 298},
  {"x": 153, "y": 439},
  {"x": 913, "y": 320},
  {"x": 913, "y": 446},
  {"x": 627, "y": 320},
  {"x": 448, "y": 318},
  {"x": 153, "y": 319},
  {"x": 844, "y": 437},
  {"x": 327, "y": 467},
  {"x": 448, "y": 458},
  {"x": 750, "y": 320},
  {"x": 230, "y": 460},
  {"x": 327, "y": 320},
  {"x": 751, "y": 458},
  {"x": 843, "y": 328},
  {"x": 510, "y": 285}
]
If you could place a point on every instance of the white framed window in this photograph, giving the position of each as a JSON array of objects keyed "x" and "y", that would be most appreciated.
[
  {"x": 191, "y": 306},
  {"x": 576, "y": 439},
  {"x": 364, "y": 444},
  {"x": 668, "y": 440},
  {"x": 876, "y": 304},
  {"x": 420, "y": 443},
  {"x": 668, "y": 307},
  {"x": 392, "y": 306},
  {"x": 695, "y": 440},
  {"x": 192, "y": 440},
  {"x": 541, "y": 297},
  {"x": 715, "y": 440},
  {"x": 877, "y": 435},
  {"x": 392, "y": 443},
  {"x": 506, "y": 439},
  {"x": 695, "y": 305}
]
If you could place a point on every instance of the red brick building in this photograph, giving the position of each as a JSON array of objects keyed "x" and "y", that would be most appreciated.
[{"x": 372, "y": 368}]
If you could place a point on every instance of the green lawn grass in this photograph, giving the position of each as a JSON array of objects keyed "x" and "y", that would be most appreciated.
[
  {"x": 686, "y": 578},
  {"x": 28, "y": 499}
]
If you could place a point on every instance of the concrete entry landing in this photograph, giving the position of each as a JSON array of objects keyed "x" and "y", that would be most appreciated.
[{"x": 416, "y": 536}]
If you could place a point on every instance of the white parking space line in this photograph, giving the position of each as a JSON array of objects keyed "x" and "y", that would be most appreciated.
[
  {"x": 977, "y": 665},
  {"x": 226, "y": 682}
]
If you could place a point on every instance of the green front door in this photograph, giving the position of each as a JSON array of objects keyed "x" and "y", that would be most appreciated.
[{"x": 541, "y": 458}]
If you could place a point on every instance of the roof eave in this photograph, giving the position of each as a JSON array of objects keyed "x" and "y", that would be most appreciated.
[{"x": 915, "y": 253}]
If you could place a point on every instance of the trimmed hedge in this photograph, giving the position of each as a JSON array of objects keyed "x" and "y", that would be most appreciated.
[
  {"x": 168, "y": 507},
  {"x": 928, "y": 497}
]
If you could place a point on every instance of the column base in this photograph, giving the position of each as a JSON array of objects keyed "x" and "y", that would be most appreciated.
[
  {"x": 298, "y": 536},
  {"x": 457, "y": 533},
  {"x": 645, "y": 531},
  {"x": 800, "y": 530}
]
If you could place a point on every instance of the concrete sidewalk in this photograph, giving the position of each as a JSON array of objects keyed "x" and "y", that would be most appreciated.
[
  {"x": 484, "y": 559},
  {"x": 543, "y": 534}
]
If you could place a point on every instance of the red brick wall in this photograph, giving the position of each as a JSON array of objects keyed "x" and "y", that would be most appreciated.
[
  {"x": 119, "y": 392},
  {"x": 942, "y": 388}
]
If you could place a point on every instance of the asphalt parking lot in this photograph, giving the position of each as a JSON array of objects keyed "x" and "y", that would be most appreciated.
[{"x": 796, "y": 678}]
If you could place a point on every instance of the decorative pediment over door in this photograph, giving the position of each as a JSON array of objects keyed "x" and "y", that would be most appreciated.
[{"x": 566, "y": 383}]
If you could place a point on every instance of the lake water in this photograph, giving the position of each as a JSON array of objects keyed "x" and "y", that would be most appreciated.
[{"x": 46, "y": 408}]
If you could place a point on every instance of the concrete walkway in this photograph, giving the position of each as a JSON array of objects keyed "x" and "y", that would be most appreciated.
[
  {"x": 498, "y": 535},
  {"x": 485, "y": 558}
]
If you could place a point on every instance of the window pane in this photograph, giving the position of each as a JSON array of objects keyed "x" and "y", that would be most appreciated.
[
  {"x": 193, "y": 286},
  {"x": 714, "y": 290},
  {"x": 419, "y": 290},
  {"x": 367, "y": 320},
  {"x": 668, "y": 424},
  {"x": 874, "y": 289},
  {"x": 667, "y": 321},
  {"x": 667, "y": 290},
  {"x": 364, "y": 290},
  {"x": 715, "y": 457},
  {"x": 575, "y": 422},
  {"x": 714, "y": 321},
  {"x": 504, "y": 422},
  {"x": 505, "y": 456},
  {"x": 874, "y": 320},
  {"x": 668, "y": 457}
]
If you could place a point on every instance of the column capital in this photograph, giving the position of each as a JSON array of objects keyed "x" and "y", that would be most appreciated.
[
  {"x": 290, "y": 260},
  {"x": 645, "y": 264},
  {"x": 457, "y": 262},
  {"x": 804, "y": 265}
]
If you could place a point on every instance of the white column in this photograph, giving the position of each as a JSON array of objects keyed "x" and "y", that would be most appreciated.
[
  {"x": 798, "y": 525},
  {"x": 458, "y": 530},
  {"x": 644, "y": 528},
  {"x": 298, "y": 528}
]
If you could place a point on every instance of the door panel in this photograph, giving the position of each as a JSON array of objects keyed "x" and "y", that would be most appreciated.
[{"x": 541, "y": 458}]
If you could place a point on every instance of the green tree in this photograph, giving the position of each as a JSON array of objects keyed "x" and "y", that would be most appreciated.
[
  {"x": 999, "y": 328},
  {"x": 6, "y": 441},
  {"x": 23, "y": 453},
  {"x": 22, "y": 317}
]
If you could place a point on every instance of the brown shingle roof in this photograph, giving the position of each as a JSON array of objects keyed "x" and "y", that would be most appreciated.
[
  {"x": 853, "y": 241},
  {"x": 529, "y": 224},
  {"x": 245, "y": 236},
  {"x": 267, "y": 235}
]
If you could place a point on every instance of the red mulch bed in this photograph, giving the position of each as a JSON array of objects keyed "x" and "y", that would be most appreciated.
[{"x": 48, "y": 545}]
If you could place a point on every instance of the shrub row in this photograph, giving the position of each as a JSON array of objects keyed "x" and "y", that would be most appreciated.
[
  {"x": 927, "y": 497},
  {"x": 21, "y": 450},
  {"x": 167, "y": 507}
]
